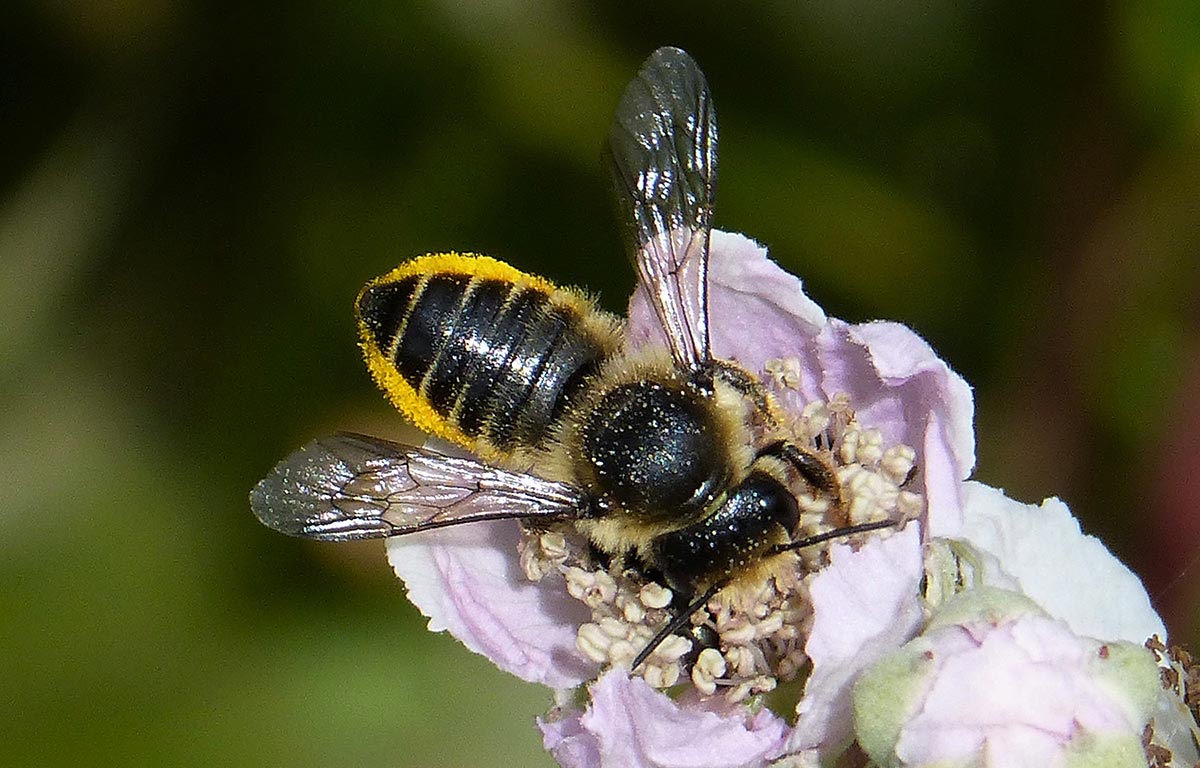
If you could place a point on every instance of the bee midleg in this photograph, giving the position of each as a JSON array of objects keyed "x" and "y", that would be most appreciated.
[
  {"x": 703, "y": 637},
  {"x": 819, "y": 475},
  {"x": 815, "y": 472}
]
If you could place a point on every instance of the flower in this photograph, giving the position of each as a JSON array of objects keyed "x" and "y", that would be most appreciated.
[
  {"x": 925, "y": 645},
  {"x": 905, "y": 444},
  {"x": 865, "y": 605},
  {"x": 994, "y": 681}
]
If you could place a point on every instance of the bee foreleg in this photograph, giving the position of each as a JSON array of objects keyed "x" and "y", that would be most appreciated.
[{"x": 677, "y": 622}]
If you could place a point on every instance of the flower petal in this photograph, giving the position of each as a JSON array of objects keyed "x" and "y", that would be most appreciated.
[
  {"x": 756, "y": 310},
  {"x": 913, "y": 398},
  {"x": 571, "y": 745},
  {"x": 1072, "y": 576},
  {"x": 630, "y": 725},
  {"x": 865, "y": 605},
  {"x": 466, "y": 580},
  {"x": 1175, "y": 728}
]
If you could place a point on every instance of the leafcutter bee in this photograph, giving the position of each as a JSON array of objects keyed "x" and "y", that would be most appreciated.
[{"x": 672, "y": 463}]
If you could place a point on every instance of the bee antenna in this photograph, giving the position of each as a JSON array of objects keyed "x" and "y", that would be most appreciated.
[
  {"x": 836, "y": 533},
  {"x": 675, "y": 624}
]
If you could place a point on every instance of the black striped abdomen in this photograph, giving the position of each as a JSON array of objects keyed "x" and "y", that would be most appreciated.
[{"x": 497, "y": 359}]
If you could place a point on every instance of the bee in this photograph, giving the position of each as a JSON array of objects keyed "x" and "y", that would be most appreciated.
[{"x": 670, "y": 462}]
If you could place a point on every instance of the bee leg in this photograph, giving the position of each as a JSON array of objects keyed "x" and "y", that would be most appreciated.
[
  {"x": 677, "y": 622},
  {"x": 817, "y": 473},
  {"x": 702, "y": 636},
  {"x": 599, "y": 557},
  {"x": 746, "y": 385}
]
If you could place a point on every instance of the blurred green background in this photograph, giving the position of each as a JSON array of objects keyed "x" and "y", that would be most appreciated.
[{"x": 191, "y": 193}]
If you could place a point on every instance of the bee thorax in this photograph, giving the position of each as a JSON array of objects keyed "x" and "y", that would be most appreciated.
[{"x": 653, "y": 448}]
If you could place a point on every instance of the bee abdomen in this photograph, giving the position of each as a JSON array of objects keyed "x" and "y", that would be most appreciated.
[{"x": 484, "y": 357}]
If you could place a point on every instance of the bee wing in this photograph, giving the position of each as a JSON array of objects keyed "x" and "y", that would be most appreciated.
[
  {"x": 663, "y": 148},
  {"x": 348, "y": 487}
]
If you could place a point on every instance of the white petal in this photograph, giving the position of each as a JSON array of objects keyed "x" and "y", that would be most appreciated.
[
  {"x": 1072, "y": 576},
  {"x": 865, "y": 606},
  {"x": 466, "y": 580}
]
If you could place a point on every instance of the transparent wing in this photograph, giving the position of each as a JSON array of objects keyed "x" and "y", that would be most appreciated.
[
  {"x": 663, "y": 148},
  {"x": 348, "y": 487}
]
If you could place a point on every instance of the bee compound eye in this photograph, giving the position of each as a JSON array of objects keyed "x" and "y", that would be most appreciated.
[{"x": 653, "y": 448}]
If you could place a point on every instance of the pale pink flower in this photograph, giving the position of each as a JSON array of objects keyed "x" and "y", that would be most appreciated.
[{"x": 995, "y": 682}]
